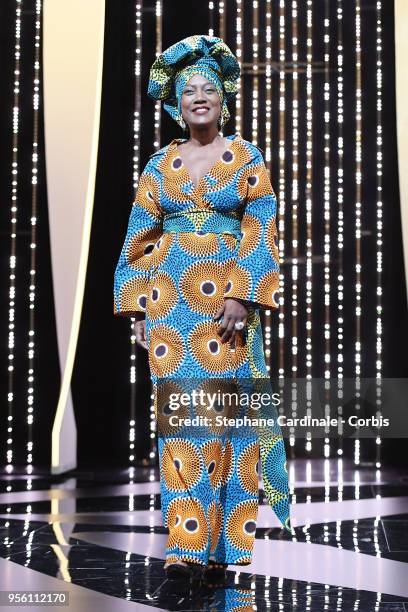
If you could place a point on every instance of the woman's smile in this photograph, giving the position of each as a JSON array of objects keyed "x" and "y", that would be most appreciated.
[{"x": 201, "y": 110}]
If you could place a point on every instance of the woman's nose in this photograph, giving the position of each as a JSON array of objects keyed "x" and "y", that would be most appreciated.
[
  {"x": 200, "y": 94},
  {"x": 199, "y": 98}
]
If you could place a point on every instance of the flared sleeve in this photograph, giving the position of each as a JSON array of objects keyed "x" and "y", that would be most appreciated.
[
  {"x": 254, "y": 277},
  {"x": 137, "y": 255}
]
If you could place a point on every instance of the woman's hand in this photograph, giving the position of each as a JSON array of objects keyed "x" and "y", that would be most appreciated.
[
  {"x": 140, "y": 332},
  {"x": 233, "y": 311}
]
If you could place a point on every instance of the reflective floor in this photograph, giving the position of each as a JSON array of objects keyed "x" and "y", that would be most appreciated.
[{"x": 98, "y": 536}]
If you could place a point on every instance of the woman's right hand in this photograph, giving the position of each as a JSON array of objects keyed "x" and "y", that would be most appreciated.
[{"x": 140, "y": 333}]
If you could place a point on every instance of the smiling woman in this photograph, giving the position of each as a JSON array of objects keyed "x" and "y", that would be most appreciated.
[
  {"x": 199, "y": 260},
  {"x": 201, "y": 109},
  {"x": 200, "y": 102}
]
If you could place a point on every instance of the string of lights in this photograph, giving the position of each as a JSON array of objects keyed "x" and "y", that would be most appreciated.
[
  {"x": 282, "y": 186},
  {"x": 255, "y": 67},
  {"x": 157, "y": 106},
  {"x": 222, "y": 16},
  {"x": 340, "y": 213},
  {"x": 222, "y": 19},
  {"x": 326, "y": 213},
  {"x": 308, "y": 202},
  {"x": 294, "y": 204},
  {"x": 13, "y": 235},
  {"x": 211, "y": 18},
  {"x": 136, "y": 169},
  {"x": 33, "y": 237},
  {"x": 238, "y": 50},
  {"x": 358, "y": 212},
  {"x": 379, "y": 219}
]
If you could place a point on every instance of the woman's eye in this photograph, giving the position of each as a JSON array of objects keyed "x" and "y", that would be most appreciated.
[{"x": 190, "y": 91}]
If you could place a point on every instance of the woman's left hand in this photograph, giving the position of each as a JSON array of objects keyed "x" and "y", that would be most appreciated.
[{"x": 233, "y": 311}]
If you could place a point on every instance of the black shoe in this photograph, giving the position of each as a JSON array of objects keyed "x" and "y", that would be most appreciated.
[
  {"x": 190, "y": 573},
  {"x": 215, "y": 573}
]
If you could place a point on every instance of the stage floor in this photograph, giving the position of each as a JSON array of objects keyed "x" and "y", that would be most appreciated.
[{"x": 98, "y": 536}]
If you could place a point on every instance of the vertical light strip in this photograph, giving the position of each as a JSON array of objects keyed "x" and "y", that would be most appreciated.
[
  {"x": 268, "y": 84},
  {"x": 255, "y": 67},
  {"x": 295, "y": 199},
  {"x": 33, "y": 237},
  {"x": 239, "y": 98},
  {"x": 340, "y": 212},
  {"x": 379, "y": 221},
  {"x": 295, "y": 184},
  {"x": 358, "y": 208},
  {"x": 222, "y": 14},
  {"x": 326, "y": 213},
  {"x": 282, "y": 184},
  {"x": 13, "y": 236},
  {"x": 326, "y": 195},
  {"x": 136, "y": 168},
  {"x": 211, "y": 10},
  {"x": 308, "y": 194},
  {"x": 282, "y": 201},
  {"x": 157, "y": 106},
  {"x": 268, "y": 144}
]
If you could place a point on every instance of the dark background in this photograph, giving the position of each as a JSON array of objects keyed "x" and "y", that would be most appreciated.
[{"x": 100, "y": 385}]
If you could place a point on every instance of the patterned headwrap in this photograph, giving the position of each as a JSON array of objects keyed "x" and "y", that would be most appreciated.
[{"x": 205, "y": 55}]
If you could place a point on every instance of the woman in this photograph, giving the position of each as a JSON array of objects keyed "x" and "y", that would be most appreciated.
[{"x": 199, "y": 260}]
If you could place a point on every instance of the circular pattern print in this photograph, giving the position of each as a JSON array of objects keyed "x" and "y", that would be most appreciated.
[
  {"x": 267, "y": 291},
  {"x": 251, "y": 234},
  {"x": 230, "y": 162},
  {"x": 166, "y": 350},
  {"x": 199, "y": 243},
  {"x": 139, "y": 252},
  {"x": 247, "y": 468},
  {"x": 207, "y": 349},
  {"x": 241, "y": 524},
  {"x": 163, "y": 296},
  {"x": 202, "y": 285},
  {"x": 181, "y": 465},
  {"x": 239, "y": 282},
  {"x": 212, "y": 458},
  {"x": 187, "y": 524},
  {"x": 133, "y": 295},
  {"x": 272, "y": 239}
]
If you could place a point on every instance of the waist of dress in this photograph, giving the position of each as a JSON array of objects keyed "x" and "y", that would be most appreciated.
[{"x": 203, "y": 221}]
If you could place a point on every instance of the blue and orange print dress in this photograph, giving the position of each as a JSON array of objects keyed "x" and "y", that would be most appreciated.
[{"x": 186, "y": 249}]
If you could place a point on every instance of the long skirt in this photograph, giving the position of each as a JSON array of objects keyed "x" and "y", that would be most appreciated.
[{"x": 209, "y": 471}]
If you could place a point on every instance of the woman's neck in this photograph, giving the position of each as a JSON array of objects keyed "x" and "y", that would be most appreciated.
[{"x": 205, "y": 136}]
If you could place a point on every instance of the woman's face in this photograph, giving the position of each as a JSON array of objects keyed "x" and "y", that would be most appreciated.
[{"x": 200, "y": 102}]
